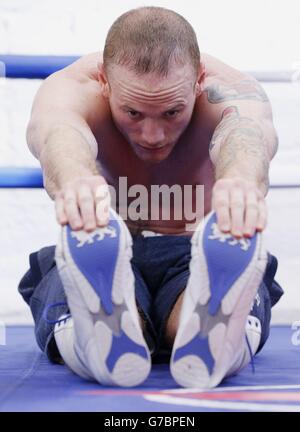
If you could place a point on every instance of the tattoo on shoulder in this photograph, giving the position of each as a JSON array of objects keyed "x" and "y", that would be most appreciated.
[
  {"x": 243, "y": 90},
  {"x": 232, "y": 121}
]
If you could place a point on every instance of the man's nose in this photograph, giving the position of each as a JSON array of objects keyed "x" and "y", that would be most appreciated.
[{"x": 152, "y": 133}]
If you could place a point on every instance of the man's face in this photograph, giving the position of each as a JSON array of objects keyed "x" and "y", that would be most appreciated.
[{"x": 152, "y": 112}]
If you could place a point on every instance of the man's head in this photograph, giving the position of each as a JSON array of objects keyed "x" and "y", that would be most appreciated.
[{"x": 152, "y": 74}]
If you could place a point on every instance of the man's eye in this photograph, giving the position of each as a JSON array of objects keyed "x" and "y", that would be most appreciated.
[
  {"x": 133, "y": 114},
  {"x": 172, "y": 113}
]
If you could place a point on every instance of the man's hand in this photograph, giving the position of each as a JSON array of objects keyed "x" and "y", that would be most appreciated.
[
  {"x": 240, "y": 207},
  {"x": 83, "y": 203}
]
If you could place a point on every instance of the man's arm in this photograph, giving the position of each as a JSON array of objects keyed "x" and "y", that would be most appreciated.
[
  {"x": 241, "y": 149},
  {"x": 59, "y": 136},
  {"x": 63, "y": 152}
]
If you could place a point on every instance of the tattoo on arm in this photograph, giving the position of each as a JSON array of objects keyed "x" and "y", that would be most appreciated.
[
  {"x": 243, "y": 90},
  {"x": 231, "y": 119},
  {"x": 246, "y": 142},
  {"x": 242, "y": 143},
  {"x": 244, "y": 150}
]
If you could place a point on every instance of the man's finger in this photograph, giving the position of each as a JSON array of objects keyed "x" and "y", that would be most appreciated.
[
  {"x": 87, "y": 208},
  {"x": 61, "y": 216},
  {"x": 221, "y": 207},
  {"x": 71, "y": 209},
  {"x": 262, "y": 215},
  {"x": 251, "y": 214},
  {"x": 102, "y": 212},
  {"x": 101, "y": 192},
  {"x": 103, "y": 202},
  {"x": 237, "y": 209}
]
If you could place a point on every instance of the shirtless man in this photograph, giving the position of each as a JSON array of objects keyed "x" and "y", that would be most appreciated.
[{"x": 152, "y": 111}]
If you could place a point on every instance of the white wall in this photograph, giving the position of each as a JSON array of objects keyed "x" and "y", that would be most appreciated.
[{"x": 257, "y": 34}]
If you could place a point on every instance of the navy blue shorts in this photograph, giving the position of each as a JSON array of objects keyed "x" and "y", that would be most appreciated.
[{"x": 161, "y": 269}]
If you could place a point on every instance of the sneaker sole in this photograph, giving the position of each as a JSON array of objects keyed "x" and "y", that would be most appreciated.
[
  {"x": 113, "y": 346},
  {"x": 225, "y": 276}
]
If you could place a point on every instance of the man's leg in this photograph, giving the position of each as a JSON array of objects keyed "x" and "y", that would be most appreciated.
[
  {"x": 99, "y": 283},
  {"x": 173, "y": 321},
  {"x": 82, "y": 278},
  {"x": 257, "y": 326},
  {"x": 39, "y": 287}
]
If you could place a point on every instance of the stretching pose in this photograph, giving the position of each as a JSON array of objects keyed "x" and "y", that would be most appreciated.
[{"x": 132, "y": 142}]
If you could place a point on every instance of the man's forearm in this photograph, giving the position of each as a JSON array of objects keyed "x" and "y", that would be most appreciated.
[
  {"x": 64, "y": 156},
  {"x": 243, "y": 154},
  {"x": 243, "y": 148}
]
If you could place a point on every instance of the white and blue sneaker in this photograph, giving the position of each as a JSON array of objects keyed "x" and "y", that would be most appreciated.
[
  {"x": 64, "y": 338},
  {"x": 225, "y": 274},
  {"x": 99, "y": 283}
]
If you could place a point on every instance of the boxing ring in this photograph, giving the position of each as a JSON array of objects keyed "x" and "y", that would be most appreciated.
[{"x": 28, "y": 382}]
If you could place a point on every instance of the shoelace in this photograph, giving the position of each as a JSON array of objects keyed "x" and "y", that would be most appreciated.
[
  {"x": 52, "y": 306},
  {"x": 251, "y": 355}
]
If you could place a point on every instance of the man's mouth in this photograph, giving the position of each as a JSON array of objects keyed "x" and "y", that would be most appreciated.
[{"x": 153, "y": 149}]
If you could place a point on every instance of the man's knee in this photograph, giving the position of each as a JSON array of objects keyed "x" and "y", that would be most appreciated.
[{"x": 173, "y": 321}]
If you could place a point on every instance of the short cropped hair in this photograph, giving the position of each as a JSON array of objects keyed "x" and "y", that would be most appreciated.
[{"x": 150, "y": 40}]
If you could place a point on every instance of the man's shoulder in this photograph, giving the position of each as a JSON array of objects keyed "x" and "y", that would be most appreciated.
[
  {"x": 219, "y": 71},
  {"x": 219, "y": 78},
  {"x": 86, "y": 67}
]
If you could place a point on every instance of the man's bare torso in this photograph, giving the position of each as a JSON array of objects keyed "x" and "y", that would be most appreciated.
[{"x": 188, "y": 164}]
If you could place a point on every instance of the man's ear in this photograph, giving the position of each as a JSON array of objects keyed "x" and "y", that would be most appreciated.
[
  {"x": 103, "y": 81},
  {"x": 200, "y": 79}
]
